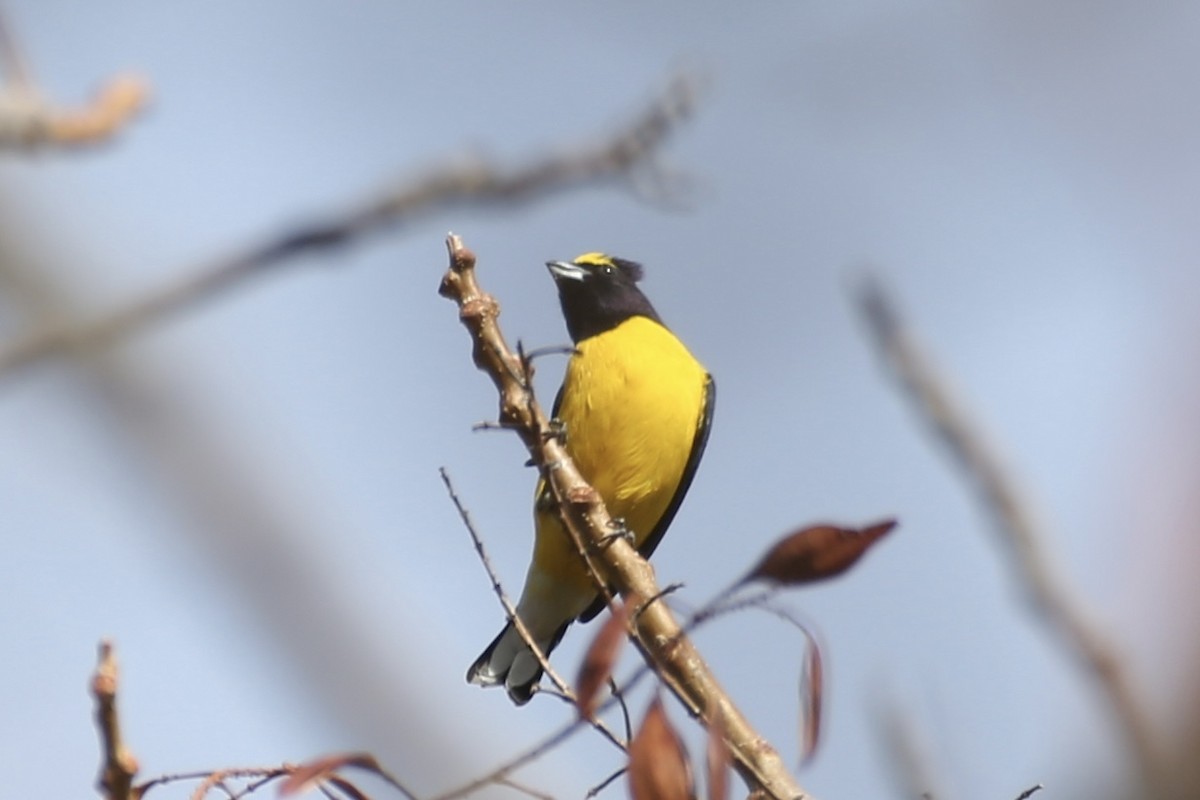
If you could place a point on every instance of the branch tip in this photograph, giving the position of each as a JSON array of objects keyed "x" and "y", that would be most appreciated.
[{"x": 119, "y": 766}]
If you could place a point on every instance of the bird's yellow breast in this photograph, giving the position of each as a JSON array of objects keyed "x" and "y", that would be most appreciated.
[{"x": 632, "y": 401}]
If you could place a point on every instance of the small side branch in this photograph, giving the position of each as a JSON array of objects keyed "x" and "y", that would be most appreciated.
[
  {"x": 1017, "y": 531},
  {"x": 660, "y": 637},
  {"x": 119, "y": 766}
]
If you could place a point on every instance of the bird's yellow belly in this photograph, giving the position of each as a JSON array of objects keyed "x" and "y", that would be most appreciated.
[{"x": 631, "y": 409}]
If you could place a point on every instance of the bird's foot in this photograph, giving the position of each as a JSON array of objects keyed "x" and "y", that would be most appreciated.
[
  {"x": 556, "y": 429},
  {"x": 619, "y": 531}
]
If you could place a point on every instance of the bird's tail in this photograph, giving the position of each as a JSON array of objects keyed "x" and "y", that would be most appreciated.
[{"x": 509, "y": 661}]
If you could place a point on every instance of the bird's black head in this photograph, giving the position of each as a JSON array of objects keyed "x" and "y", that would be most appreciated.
[{"x": 598, "y": 293}]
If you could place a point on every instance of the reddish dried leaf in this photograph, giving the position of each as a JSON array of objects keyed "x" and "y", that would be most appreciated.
[
  {"x": 305, "y": 776},
  {"x": 658, "y": 765},
  {"x": 598, "y": 662},
  {"x": 817, "y": 552},
  {"x": 812, "y": 685},
  {"x": 717, "y": 758}
]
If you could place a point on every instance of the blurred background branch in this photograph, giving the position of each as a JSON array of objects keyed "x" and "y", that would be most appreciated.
[
  {"x": 611, "y": 160},
  {"x": 1012, "y": 518}
]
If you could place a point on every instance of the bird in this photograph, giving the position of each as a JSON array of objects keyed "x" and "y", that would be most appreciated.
[{"x": 635, "y": 407}]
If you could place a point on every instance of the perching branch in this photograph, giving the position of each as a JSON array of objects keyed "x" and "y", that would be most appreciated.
[
  {"x": 456, "y": 186},
  {"x": 1017, "y": 530},
  {"x": 119, "y": 765},
  {"x": 672, "y": 655}
]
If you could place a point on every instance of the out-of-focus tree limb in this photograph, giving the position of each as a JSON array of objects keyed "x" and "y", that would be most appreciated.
[
  {"x": 906, "y": 747},
  {"x": 1018, "y": 531},
  {"x": 456, "y": 186},
  {"x": 29, "y": 121}
]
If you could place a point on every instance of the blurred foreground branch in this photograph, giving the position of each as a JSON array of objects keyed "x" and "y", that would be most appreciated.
[
  {"x": 28, "y": 120},
  {"x": 1014, "y": 522},
  {"x": 660, "y": 637},
  {"x": 475, "y": 184}
]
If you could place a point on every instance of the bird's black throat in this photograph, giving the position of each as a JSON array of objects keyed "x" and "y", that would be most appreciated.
[{"x": 591, "y": 307}]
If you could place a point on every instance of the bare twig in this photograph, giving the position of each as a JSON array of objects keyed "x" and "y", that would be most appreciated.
[
  {"x": 511, "y": 611},
  {"x": 267, "y": 776},
  {"x": 619, "y": 696},
  {"x": 477, "y": 184},
  {"x": 255, "y": 778},
  {"x": 119, "y": 765},
  {"x": 1014, "y": 522},
  {"x": 1025, "y": 795},
  {"x": 513, "y": 764},
  {"x": 523, "y": 789},
  {"x": 604, "y": 784},
  {"x": 614, "y": 561}
]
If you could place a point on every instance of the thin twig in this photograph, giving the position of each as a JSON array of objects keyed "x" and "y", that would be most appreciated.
[
  {"x": 515, "y": 763},
  {"x": 1013, "y": 520},
  {"x": 613, "y": 563},
  {"x": 523, "y": 789},
  {"x": 262, "y": 774},
  {"x": 268, "y": 776},
  {"x": 619, "y": 695},
  {"x": 119, "y": 765},
  {"x": 456, "y": 186},
  {"x": 510, "y": 611},
  {"x": 604, "y": 784},
  {"x": 555, "y": 739},
  {"x": 1025, "y": 795},
  {"x": 171, "y": 777},
  {"x": 217, "y": 778}
]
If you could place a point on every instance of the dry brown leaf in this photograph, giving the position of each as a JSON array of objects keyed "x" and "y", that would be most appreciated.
[
  {"x": 658, "y": 765},
  {"x": 812, "y": 687},
  {"x": 598, "y": 662},
  {"x": 817, "y": 552},
  {"x": 307, "y": 775}
]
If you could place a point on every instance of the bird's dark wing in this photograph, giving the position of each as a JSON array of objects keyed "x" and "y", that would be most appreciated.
[{"x": 689, "y": 472}]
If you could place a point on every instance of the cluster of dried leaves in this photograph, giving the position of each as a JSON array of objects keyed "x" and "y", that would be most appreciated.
[{"x": 658, "y": 765}]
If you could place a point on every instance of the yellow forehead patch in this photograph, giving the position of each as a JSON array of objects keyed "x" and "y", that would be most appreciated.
[{"x": 594, "y": 260}]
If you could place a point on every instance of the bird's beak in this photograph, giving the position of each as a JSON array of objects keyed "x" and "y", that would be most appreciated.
[{"x": 566, "y": 271}]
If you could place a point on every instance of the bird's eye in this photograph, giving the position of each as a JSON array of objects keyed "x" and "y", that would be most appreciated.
[{"x": 607, "y": 270}]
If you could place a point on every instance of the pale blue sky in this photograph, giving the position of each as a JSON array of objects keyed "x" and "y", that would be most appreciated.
[{"x": 1022, "y": 174}]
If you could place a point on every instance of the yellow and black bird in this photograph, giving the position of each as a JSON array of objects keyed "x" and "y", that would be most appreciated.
[{"x": 636, "y": 407}]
